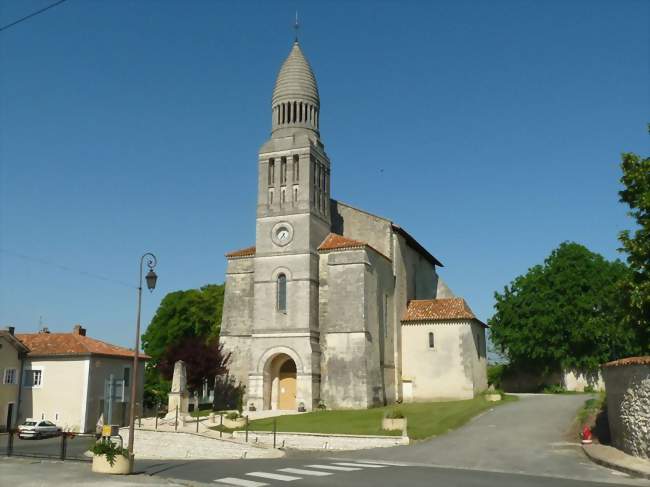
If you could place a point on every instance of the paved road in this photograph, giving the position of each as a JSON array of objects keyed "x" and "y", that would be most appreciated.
[
  {"x": 520, "y": 443},
  {"x": 49, "y": 447}
]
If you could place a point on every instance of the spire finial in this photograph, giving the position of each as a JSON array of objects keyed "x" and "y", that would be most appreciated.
[{"x": 296, "y": 26}]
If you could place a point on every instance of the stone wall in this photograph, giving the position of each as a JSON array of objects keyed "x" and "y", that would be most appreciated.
[
  {"x": 316, "y": 441},
  {"x": 628, "y": 404}
]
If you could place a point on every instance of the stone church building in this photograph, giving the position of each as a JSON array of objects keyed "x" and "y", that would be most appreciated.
[{"x": 334, "y": 305}]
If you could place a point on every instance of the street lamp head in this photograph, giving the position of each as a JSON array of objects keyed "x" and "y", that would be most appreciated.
[{"x": 151, "y": 278}]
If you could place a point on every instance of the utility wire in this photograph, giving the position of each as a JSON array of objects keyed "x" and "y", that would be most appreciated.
[
  {"x": 66, "y": 268},
  {"x": 33, "y": 14}
]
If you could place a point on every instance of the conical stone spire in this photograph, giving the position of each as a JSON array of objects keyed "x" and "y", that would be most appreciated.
[{"x": 295, "y": 102}]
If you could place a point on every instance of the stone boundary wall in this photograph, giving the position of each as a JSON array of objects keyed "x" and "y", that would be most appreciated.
[
  {"x": 321, "y": 441},
  {"x": 628, "y": 404}
]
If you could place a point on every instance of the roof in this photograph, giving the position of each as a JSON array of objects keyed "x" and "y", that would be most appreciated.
[
  {"x": 247, "y": 252},
  {"x": 296, "y": 80},
  {"x": 438, "y": 309},
  {"x": 417, "y": 246},
  {"x": 644, "y": 360},
  {"x": 334, "y": 241},
  {"x": 11, "y": 338},
  {"x": 71, "y": 344}
]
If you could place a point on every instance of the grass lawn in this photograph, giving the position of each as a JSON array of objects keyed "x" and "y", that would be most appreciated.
[{"x": 425, "y": 419}]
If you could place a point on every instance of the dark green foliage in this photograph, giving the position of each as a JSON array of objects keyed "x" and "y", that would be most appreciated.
[
  {"x": 196, "y": 312},
  {"x": 185, "y": 327},
  {"x": 495, "y": 374},
  {"x": 566, "y": 313},
  {"x": 227, "y": 394},
  {"x": 636, "y": 180}
]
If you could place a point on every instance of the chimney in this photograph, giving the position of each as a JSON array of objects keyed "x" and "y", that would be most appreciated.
[
  {"x": 11, "y": 329},
  {"x": 79, "y": 330}
]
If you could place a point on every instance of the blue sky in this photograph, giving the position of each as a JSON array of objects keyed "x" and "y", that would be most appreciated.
[{"x": 491, "y": 131}]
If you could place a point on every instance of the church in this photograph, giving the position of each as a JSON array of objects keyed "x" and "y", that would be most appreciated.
[{"x": 334, "y": 306}]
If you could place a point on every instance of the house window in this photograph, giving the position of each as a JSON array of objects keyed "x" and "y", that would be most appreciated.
[
  {"x": 10, "y": 376},
  {"x": 33, "y": 378},
  {"x": 431, "y": 341},
  {"x": 126, "y": 375},
  {"x": 282, "y": 293}
]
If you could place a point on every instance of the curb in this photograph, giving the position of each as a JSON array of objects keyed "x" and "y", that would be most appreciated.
[{"x": 615, "y": 466}]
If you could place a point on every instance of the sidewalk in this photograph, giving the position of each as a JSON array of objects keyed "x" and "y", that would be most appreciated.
[
  {"x": 24, "y": 472},
  {"x": 611, "y": 457}
]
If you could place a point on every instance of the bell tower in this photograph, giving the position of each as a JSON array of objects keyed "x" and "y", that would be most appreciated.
[{"x": 293, "y": 218}]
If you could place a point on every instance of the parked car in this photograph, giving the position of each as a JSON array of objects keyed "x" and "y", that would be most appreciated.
[{"x": 34, "y": 428}]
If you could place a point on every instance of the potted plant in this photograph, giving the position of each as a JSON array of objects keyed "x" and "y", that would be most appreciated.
[
  {"x": 110, "y": 458},
  {"x": 394, "y": 420}
]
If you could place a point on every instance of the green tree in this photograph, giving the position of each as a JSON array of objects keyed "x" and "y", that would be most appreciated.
[
  {"x": 565, "y": 313},
  {"x": 183, "y": 317},
  {"x": 191, "y": 313},
  {"x": 636, "y": 180}
]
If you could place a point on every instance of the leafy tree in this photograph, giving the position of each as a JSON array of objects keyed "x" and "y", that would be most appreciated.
[
  {"x": 192, "y": 313},
  {"x": 565, "y": 313},
  {"x": 203, "y": 359},
  {"x": 192, "y": 316},
  {"x": 636, "y": 179}
]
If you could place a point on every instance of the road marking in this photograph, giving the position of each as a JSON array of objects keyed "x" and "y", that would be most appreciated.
[
  {"x": 357, "y": 464},
  {"x": 273, "y": 476},
  {"x": 387, "y": 464},
  {"x": 334, "y": 467},
  {"x": 300, "y": 471},
  {"x": 240, "y": 482}
]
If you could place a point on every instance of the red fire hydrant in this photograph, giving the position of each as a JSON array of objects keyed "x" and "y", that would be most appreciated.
[{"x": 586, "y": 435}]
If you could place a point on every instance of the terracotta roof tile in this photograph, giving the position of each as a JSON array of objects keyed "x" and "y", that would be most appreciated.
[
  {"x": 44, "y": 344},
  {"x": 645, "y": 360},
  {"x": 334, "y": 241},
  {"x": 438, "y": 309},
  {"x": 247, "y": 252}
]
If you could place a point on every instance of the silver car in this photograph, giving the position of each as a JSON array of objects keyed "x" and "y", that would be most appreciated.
[{"x": 34, "y": 428}]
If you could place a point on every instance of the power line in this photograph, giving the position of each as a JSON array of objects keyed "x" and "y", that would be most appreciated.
[
  {"x": 33, "y": 14},
  {"x": 66, "y": 268}
]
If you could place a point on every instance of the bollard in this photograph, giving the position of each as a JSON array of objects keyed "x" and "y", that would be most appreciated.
[
  {"x": 176, "y": 422},
  {"x": 197, "y": 424},
  {"x": 275, "y": 429},
  {"x": 221, "y": 426},
  {"x": 156, "y": 427},
  {"x": 64, "y": 445},
  {"x": 139, "y": 421},
  {"x": 246, "y": 428},
  {"x": 10, "y": 444}
]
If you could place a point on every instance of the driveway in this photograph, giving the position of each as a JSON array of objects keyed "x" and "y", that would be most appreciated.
[{"x": 527, "y": 436}]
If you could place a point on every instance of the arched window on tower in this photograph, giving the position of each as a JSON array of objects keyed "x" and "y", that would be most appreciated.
[
  {"x": 300, "y": 112},
  {"x": 295, "y": 112},
  {"x": 282, "y": 293},
  {"x": 296, "y": 168}
]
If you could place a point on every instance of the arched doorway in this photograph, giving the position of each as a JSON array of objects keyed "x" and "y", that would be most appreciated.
[{"x": 280, "y": 383}]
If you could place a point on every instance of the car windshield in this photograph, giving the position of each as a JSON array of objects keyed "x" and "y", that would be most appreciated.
[{"x": 30, "y": 423}]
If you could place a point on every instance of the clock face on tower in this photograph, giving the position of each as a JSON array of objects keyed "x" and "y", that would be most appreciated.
[{"x": 282, "y": 233}]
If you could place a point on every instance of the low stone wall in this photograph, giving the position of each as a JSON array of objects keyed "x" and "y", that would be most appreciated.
[
  {"x": 176, "y": 445},
  {"x": 318, "y": 441},
  {"x": 569, "y": 379},
  {"x": 628, "y": 404}
]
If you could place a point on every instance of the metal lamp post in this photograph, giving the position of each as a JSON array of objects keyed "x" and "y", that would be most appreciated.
[{"x": 151, "y": 279}]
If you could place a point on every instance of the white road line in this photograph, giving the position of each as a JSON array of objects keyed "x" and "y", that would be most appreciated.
[
  {"x": 239, "y": 482},
  {"x": 334, "y": 467},
  {"x": 357, "y": 464},
  {"x": 300, "y": 471},
  {"x": 386, "y": 464},
  {"x": 273, "y": 476}
]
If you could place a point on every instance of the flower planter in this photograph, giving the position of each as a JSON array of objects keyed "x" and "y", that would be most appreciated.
[
  {"x": 493, "y": 397},
  {"x": 121, "y": 466},
  {"x": 234, "y": 423},
  {"x": 393, "y": 424}
]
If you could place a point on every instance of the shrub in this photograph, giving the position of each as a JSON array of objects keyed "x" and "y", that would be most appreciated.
[
  {"x": 590, "y": 389},
  {"x": 232, "y": 416},
  {"x": 553, "y": 389},
  {"x": 110, "y": 450},
  {"x": 395, "y": 414},
  {"x": 495, "y": 375},
  {"x": 322, "y": 406}
]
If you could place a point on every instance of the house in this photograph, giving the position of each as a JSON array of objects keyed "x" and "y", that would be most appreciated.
[
  {"x": 319, "y": 310},
  {"x": 12, "y": 355},
  {"x": 73, "y": 380}
]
